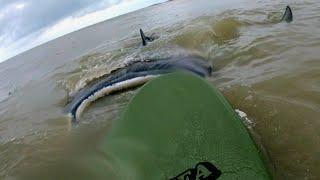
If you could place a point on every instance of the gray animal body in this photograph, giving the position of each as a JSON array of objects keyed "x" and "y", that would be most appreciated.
[{"x": 135, "y": 75}]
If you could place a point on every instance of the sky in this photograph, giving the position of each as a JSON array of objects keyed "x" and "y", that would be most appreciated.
[{"x": 25, "y": 24}]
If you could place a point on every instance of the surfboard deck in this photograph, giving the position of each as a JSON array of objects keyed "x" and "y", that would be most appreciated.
[{"x": 178, "y": 126}]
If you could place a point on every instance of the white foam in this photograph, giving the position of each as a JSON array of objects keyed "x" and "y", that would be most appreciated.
[
  {"x": 244, "y": 117},
  {"x": 130, "y": 83}
]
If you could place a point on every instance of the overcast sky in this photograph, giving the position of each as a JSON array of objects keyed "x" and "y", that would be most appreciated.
[{"x": 25, "y": 24}]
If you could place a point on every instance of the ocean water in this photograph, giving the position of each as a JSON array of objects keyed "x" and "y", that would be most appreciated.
[{"x": 264, "y": 67}]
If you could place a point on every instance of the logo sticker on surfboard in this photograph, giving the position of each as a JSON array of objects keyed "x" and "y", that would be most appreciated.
[{"x": 202, "y": 171}]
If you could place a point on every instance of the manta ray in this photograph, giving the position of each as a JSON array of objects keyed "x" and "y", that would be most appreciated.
[{"x": 138, "y": 73}]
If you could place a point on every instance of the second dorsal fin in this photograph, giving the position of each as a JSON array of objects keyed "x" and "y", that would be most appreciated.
[{"x": 287, "y": 16}]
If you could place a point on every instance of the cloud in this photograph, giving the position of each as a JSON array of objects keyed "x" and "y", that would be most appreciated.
[
  {"x": 19, "y": 19},
  {"x": 29, "y": 23}
]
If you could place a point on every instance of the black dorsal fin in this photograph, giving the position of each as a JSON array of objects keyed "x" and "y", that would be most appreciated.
[
  {"x": 287, "y": 16},
  {"x": 145, "y": 38}
]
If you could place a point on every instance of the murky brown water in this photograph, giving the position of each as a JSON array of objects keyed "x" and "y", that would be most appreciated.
[{"x": 269, "y": 70}]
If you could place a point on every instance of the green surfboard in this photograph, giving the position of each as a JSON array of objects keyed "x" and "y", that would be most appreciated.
[
  {"x": 176, "y": 127},
  {"x": 179, "y": 127}
]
